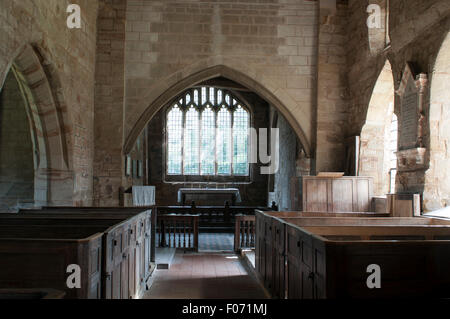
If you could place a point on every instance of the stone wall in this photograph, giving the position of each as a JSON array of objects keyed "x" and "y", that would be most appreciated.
[
  {"x": 67, "y": 63},
  {"x": 268, "y": 46},
  {"x": 16, "y": 148},
  {"x": 287, "y": 170},
  {"x": 332, "y": 92},
  {"x": 109, "y": 174}
]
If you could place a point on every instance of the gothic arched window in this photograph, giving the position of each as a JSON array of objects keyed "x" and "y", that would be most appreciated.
[{"x": 207, "y": 134}]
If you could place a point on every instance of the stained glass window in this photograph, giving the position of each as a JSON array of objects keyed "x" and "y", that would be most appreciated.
[{"x": 207, "y": 137}]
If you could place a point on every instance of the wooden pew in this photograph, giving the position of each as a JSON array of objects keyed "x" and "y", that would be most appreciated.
[
  {"x": 39, "y": 256},
  {"x": 289, "y": 237},
  {"x": 125, "y": 242},
  {"x": 332, "y": 261}
]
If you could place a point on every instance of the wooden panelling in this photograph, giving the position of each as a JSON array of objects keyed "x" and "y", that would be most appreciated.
[{"x": 344, "y": 194}]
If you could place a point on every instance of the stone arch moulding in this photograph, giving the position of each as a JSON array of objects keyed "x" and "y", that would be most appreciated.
[
  {"x": 152, "y": 103},
  {"x": 53, "y": 179},
  {"x": 374, "y": 137},
  {"x": 436, "y": 193}
]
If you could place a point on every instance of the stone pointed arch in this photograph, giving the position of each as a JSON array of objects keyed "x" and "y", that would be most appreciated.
[
  {"x": 53, "y": 178},
  {"x": 374, "y": 159},
  {"x": 169, "y": 88},
  {"x": 437, "y": 184}
]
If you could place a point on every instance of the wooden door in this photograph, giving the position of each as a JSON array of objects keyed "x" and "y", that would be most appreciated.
[
  {"x": 278, "y": 278},
  {"x": 319, "y": 268},
  {"x": 268, "y": 254},
  {"x": 299, "y": 267}
]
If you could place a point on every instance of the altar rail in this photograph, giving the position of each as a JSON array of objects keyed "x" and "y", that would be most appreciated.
[
  {"x": 244, "y": 233},
  {"x": 213, "y": 218},
  {"x": 178, "y": 231}
]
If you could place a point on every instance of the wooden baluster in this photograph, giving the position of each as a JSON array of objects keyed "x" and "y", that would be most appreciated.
[
  {"x": 242, "y": 226},
  {"x": 253, "y": 234},
  {"x": 170, "y": 232},
  {"x": 179, "y": 234},
  {"x": 195, "y": 233},
  {"x": 247, "y": 237},
  {"x": 184, "y": 235},
  {"x": 174, "y": 233},
  {"x": 163, "y": 233},
  {"x": 159, "y": 230},
  {"x": 237, "y": 232},
  {"x": 189, "y": 231}
]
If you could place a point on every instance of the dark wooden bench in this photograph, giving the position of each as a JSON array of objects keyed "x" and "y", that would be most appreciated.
[
  {"x": 125, "y": 243},
  {"x": 309, "y": 257}
]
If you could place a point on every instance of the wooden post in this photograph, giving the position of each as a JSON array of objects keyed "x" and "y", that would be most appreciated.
[
  {"x": 226, "y": 213},
  {"x": 274, "y": 207},
  {"x": 153, "y": 234},
  {"x": 195, "y": 221},
  {"x": 237, "y": 233}
]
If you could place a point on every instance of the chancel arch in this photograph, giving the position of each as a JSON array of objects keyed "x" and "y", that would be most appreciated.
[
  {"x": 379, "y": 135},
  {"x": 156, "y": 102}
]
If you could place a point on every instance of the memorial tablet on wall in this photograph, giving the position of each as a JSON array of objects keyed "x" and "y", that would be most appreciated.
[
  {"x": 411, "y": 96},
  {"x": 411, "y": 92}
]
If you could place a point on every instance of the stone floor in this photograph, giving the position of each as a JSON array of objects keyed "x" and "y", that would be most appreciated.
[{"x": 205, "y": 276}]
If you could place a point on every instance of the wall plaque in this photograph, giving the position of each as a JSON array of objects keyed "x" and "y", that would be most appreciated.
[
  {"x": 411, "y": 92},
  {"x": 412, "y": 154}
]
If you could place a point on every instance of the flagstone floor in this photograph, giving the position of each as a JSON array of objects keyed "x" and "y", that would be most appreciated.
[{"x": 205, "y": 276}]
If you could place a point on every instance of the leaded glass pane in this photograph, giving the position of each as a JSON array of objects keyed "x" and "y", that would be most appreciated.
[
  {"x": 195, "y": 97},
  {"x": 223, "y": 142},
  {"x": 204, "y": 99},
  {"x": 191, "y": 143},
  {"x": 212, "y": 96},
  {"x": 208, "y": 133},
  {"x": 219, "y": 97},
  {"x": 204, "y": 142},
  {"x": 240, "y": 142},
  {"x": 174, "y": 141}
]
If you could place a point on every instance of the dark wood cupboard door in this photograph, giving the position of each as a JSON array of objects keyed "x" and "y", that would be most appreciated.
[{"x": 278, "y": 278}]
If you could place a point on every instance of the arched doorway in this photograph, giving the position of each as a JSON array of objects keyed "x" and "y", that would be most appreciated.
[
  {"x": 379, "y": 135},
  {"x": 17, "y": 145},
  {"x": 437, "y": 178},
  {"x": 40, "y": 150}
]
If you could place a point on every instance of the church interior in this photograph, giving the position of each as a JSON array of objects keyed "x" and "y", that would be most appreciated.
[{"x": 277, "y": 149}]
